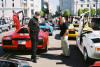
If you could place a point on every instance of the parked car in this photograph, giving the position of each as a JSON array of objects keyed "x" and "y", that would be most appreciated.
[
  {"x": 73, "y": 30},
  {"x": 20, "y": 40},
  {"x": 4, "y": 26},
  {"x": 96, "y": 64},
  {"x": 46, "y": 26},
  {"x": 88, "y": 42},
  {"x": 13, "y": 63}
]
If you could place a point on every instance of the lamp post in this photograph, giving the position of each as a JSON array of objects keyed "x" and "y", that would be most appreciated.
[
  {"x": 3, "y": 8},
  {"x": 90, "y": 13},
  {"x": 96, "y": 7},
  {"x": 76, "y": 8}
]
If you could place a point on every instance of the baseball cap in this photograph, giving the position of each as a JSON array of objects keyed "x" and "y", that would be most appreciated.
[{"x": 37, "y": 13}]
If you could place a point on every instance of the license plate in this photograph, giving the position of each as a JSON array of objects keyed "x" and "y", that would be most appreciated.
[{"x": 21, "y": 42}]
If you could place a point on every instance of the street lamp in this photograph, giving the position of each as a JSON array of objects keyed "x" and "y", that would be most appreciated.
[
  {"x": 3, "y": 8},
  {"x": 96, "y": 8},
  {"x": 90, "y": 13},
  {"x": 76, "y": 8}
]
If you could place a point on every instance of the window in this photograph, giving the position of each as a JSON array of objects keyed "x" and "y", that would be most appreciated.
[
  {"x": 81, "y": 0},
  {"x": 2, "y": 4},
  {"x": 93, "y": 5},
  {"x": 12, "y": 4},
  {"x": 88, "y": 0},
  {"x": 87, "y": 5},
  {"x": 31, "y": 5},
  {"x": 81, "y": 5},
  {"x": 23, "y": 30}
]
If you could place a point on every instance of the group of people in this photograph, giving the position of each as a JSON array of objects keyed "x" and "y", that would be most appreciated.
[{"x": 33, "y": 28}]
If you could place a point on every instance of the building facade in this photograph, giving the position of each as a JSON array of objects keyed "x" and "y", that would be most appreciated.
[
  {"x": 74, "y": 5},
  {"x": 7, "y": 7}
]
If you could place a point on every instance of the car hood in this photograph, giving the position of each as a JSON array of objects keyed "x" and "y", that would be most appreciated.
[
  {"x": 94, "y": 34},
  {"x": 97, "y": 45},
  {"x": 11, "y": 33}
]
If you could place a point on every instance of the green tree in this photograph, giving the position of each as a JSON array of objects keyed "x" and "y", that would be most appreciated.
[
  {"x": 85, "y": 9},
  {"x": 93, "y": 12},
  {"x": 98, "y": 11},
  {"x": 45, "y": 10},
  {"x": 41, "y": 13},
  {"x": 66, "y": 13},
  {"x": 58, "y": 13},
  {"x": 80, "y": 11}
]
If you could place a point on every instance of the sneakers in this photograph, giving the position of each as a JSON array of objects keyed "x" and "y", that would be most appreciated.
[{"x": 34, "y": 60}]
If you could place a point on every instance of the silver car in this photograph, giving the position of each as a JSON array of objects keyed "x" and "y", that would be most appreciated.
[{"x": 13, "y": 63}]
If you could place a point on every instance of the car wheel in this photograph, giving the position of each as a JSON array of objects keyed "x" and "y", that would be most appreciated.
[
  {"x": 46, "y": 49},
  {"x": 86, "y": 58},
  {"x": 5, "y": 50},
  {"x": 85, "y": 55}
]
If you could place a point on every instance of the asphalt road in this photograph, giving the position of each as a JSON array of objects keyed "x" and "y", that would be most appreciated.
[{"x": 53, "y": 58}]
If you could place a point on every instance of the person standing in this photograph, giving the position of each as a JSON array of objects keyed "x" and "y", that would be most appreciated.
[{"x": 33, "y": 28}]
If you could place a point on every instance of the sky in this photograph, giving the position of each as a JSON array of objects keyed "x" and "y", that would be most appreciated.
[{"x": 54, "y": 4}]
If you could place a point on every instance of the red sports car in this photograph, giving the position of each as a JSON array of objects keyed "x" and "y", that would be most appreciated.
[
  {"x": 96, "y": 64},
  {"x": 20, "y": 39}
]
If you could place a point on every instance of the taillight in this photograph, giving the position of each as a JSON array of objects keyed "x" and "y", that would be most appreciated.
[
  {"x": 7, "y": 38},
  {"x": 70, "y": 29}
]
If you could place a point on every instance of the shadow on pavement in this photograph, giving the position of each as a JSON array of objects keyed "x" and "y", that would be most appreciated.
[
  {"x": 57, "y": 36},
  {"x": 75, "y": 59},
  {"x": 51, "y": 49},
  {"x": 21, "y": 58}
]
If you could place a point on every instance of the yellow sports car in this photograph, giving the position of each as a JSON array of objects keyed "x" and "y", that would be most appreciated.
[{"x": 73, "y": 30}]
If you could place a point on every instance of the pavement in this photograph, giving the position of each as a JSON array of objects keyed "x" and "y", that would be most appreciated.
[{"x": 53, "y": 57}]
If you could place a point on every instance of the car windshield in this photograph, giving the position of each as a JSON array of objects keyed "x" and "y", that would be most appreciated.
[
  {"x": 96, "y": 23},
  {"x": 76, "y": 25},
  {"x": 96, "y": 40},
  {"x": 23, "y": 30},
  {"x": 42, "y": 24}
]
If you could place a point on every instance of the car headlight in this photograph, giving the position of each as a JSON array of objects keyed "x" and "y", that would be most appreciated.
[
  {"x": 98, "y": 49},
  {"x": 7, "y": 38}
]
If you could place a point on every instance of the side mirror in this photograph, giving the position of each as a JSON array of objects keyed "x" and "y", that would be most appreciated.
[
  {"x": 82, "y": 35},
  {"x": 87, "y": 32}
]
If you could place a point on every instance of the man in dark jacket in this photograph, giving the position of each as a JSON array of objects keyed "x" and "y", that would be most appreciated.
[{"x": 33, "y": 28}]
